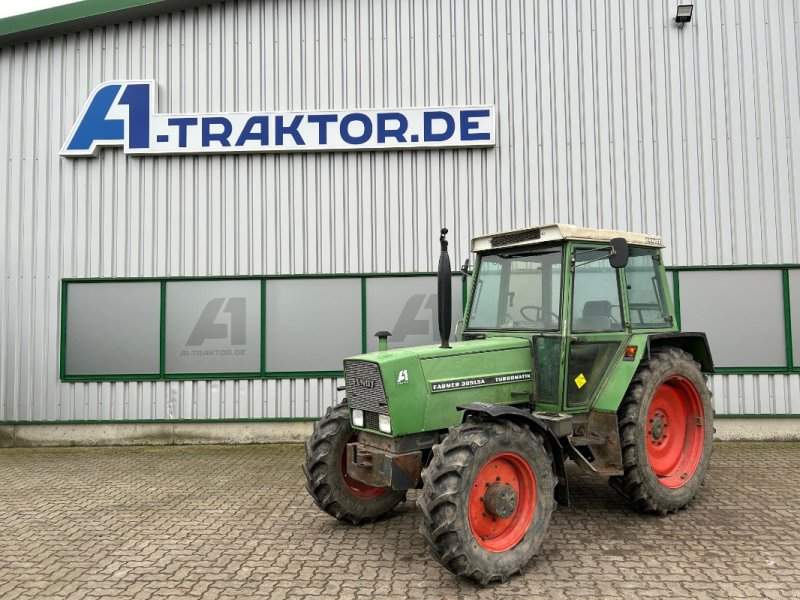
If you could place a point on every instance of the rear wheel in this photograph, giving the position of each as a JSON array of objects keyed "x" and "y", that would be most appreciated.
[
  {"x": 666, "y": 432},
  {"x": 325, "y": 467},
  {"x": 487, "y": 499}
]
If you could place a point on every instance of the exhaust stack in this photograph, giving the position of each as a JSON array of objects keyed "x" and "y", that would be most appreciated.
[
  {"x": 445, "y": 284},
  {"x": 383, "y": 340}
]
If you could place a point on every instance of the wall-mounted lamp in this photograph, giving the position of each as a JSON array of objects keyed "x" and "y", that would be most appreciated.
[{"x": 684, "y": 14}]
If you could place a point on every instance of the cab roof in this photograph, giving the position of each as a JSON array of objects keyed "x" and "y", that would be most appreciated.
[{"x": 555, "y": 232}]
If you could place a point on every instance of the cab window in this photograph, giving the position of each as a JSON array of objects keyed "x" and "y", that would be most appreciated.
[
  {"x": 518, "y": 291},
  {"x": 646, "y": 302},
  {"x": 595, "y": 297}
]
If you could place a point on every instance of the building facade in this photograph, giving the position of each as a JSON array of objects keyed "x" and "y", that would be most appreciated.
[{"x": 206, "y": 283}]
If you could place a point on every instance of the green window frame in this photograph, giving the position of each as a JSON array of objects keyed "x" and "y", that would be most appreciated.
[
  {"x": 262, "y": 372},
  {"x": 672, "y": 271},
  {"x": 784, "y": 269}
]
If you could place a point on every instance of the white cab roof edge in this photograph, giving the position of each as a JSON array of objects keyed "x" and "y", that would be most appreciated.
[{"x": 557, "y": 231}]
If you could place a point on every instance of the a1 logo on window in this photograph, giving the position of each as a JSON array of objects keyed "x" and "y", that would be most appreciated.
[{"x": 208, "y": 327}]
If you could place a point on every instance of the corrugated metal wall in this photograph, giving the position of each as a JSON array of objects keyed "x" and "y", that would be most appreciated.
[{"x": 608, "y": 116}]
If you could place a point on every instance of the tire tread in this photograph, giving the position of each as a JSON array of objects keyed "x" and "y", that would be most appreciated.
[
  {"x": 439, "y": 503},
  {"x": 319, "y": 463},
  {"x": 632, "y": 486}
]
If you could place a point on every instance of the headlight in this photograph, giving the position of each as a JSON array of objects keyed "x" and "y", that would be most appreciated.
[
  {"x": 384, "y": 424},
  {"x": 358, "y": 418}
]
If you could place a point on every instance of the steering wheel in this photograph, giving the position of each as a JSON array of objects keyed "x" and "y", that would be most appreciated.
[{"x": 540, "y": 311}]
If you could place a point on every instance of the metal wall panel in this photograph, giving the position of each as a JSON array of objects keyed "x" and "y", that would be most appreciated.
[{"x": 609, "y": 116}]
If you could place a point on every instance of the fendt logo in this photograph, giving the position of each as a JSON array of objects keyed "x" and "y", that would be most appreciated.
[
  {"x": 122, "y": 113},
  {"x": 365, "y": 383}
]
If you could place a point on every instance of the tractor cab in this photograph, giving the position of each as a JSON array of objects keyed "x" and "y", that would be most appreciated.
[{"x": 578, "y": 294}]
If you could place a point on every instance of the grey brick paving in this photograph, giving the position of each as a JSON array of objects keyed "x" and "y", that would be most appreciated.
[{"x": 236, "y": 522}]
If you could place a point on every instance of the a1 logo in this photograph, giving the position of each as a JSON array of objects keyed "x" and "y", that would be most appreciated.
[
  {"x": 207, "y": 327},
  {"x": 402, "y": 377}
]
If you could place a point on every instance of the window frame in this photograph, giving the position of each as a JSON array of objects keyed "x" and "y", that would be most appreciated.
[
  {"x": 262, "y": 373},
  {"x": 664, "y": 299},
  {"x": 517, "y": 251},
  {"x": 623, "y": 323}
]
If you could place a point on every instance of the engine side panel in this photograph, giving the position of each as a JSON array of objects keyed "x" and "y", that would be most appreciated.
[{"x": 500, "y": 377}]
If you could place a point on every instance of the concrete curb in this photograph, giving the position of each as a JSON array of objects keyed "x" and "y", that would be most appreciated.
[
  {"x": 757, "y": 430},
  {"x": 168, "y": 434},
  {"x": 152, "y": 434}
]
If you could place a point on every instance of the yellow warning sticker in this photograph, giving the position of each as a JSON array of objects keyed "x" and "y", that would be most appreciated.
[{"x": 580, "y": 381}]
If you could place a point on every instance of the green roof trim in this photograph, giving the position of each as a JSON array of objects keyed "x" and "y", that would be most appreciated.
[{"x": 85, "y": 14}]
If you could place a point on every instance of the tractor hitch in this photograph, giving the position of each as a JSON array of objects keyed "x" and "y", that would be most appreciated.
[{"x": 382, "y": 468}]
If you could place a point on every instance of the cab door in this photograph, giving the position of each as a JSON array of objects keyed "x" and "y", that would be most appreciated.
[{"x": 596, "y": 329}]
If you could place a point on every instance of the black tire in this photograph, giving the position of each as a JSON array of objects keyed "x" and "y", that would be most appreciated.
[
  {"x": 456, "y": 468},
  {"x": 668, "y": 369},
  {"x": 325, "y": 480}
]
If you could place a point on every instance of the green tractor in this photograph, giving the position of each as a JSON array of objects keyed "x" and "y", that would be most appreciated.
[{"x": 569, "y": 349}]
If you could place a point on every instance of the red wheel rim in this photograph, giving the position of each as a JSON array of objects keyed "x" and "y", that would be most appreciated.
[
  {"x": 494, "y": 533},
  {"x": 357, "y": 488},
  {"x": 674, "y": 432}
]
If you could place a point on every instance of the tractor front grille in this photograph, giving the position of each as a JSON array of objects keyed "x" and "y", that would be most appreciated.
[
  {"x": 371, "y": 420},
  {"x": 364, "y": 387}
]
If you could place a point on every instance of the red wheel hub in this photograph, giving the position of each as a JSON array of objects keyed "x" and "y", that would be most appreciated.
[
  {"x": 502, "y": 502},
  {"x": 358, "y": 488},
  {"x": 674, "y": 432}
]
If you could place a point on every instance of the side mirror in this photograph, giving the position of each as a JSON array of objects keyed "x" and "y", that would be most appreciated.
[
  {"x": 466, "y": 271},
  {"x": 619, "y": 253}
]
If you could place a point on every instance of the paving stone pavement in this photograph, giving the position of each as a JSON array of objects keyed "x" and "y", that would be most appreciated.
[{"x": 236, "y": 522}]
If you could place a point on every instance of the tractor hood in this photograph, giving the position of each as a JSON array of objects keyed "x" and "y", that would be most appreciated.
[{"x": 420, "y": 387}]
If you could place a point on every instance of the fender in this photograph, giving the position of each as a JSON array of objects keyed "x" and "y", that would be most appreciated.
[
  {"x": 617, "y": 380},
  {"x": 695, "y": 343},
  {"x": 536, "y": 424}
]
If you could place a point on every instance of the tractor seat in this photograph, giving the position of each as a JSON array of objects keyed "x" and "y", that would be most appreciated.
[{"x": 596, "y": 317}]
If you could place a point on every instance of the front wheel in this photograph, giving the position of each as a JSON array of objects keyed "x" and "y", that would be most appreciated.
[
  {"x": 325, "y": 467},
  {"x": 666, "y": 432},
  {"x": 487, "y": 499}
]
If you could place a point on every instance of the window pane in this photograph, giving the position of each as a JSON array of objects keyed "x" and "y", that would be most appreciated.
[
  {"x": 794, "y": 305},
  {"x": 312, "y": 324},
  {"x": 408, "y": 308},
  {"x": 113, "y": 328},
  {"x": 595, "y": 296},
  {"x": 518, "y": 292},
  {"x": 645, "y": 293},
  {"x": 740, "y": 311},
  {"x": 213, "y": 326},
  {"x": 587, "y": 365}
]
